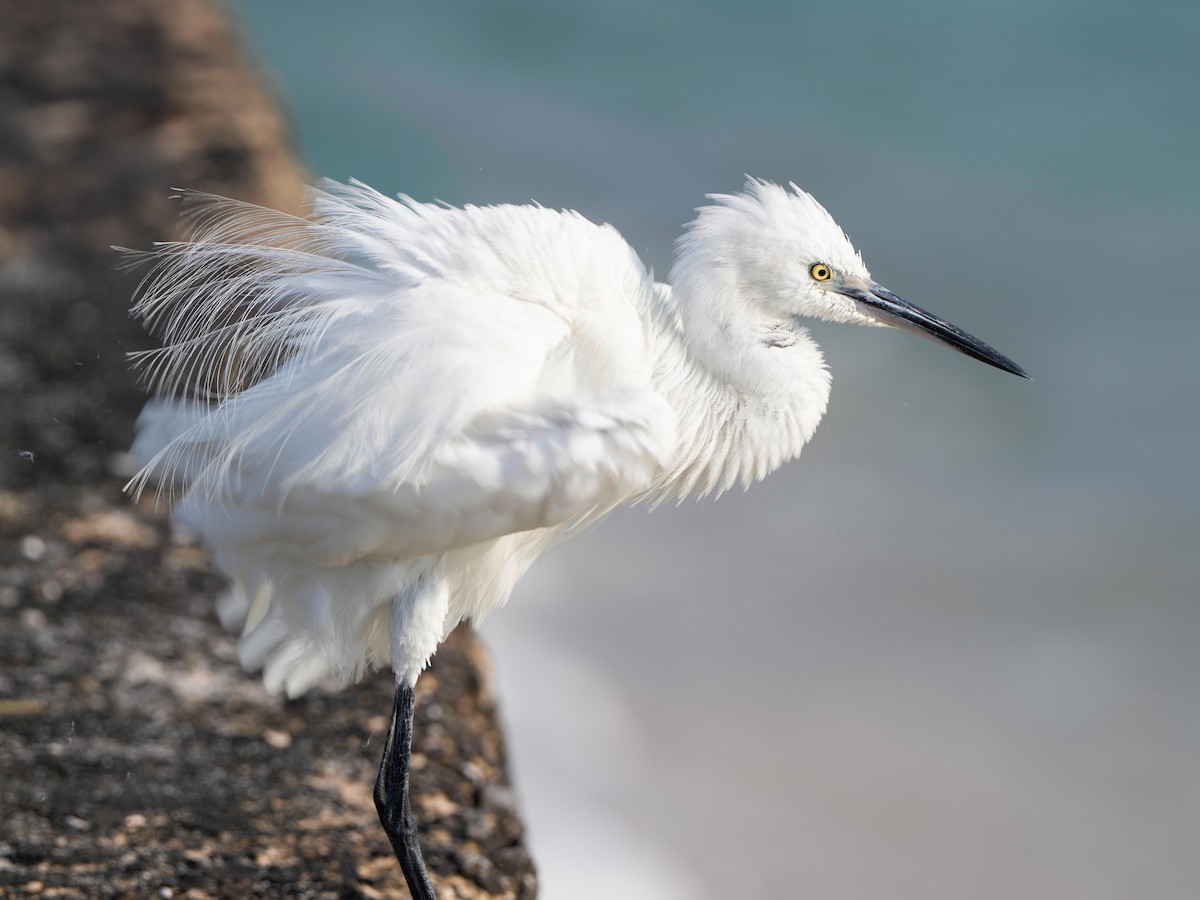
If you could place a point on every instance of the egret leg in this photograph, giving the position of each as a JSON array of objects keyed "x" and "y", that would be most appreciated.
[{"x": 392, "y": 795}]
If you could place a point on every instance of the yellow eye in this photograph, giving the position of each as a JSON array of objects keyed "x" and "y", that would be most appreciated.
[{"x": 820, "y": 272}]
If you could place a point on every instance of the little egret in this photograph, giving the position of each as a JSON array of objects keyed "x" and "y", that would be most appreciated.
[{"x": 376, "y": 417}]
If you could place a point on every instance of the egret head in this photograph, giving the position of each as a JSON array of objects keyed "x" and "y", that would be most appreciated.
[{"x": 778, "y": 250}]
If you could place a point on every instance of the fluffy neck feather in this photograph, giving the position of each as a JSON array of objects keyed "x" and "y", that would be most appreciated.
[{"x": 748, "y": 394}]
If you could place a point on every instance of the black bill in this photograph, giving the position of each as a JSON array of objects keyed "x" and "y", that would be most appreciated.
[{"x": 882, "y": 305}]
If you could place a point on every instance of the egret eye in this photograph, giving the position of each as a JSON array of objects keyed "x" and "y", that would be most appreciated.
[{"x": 820, "y": 272}]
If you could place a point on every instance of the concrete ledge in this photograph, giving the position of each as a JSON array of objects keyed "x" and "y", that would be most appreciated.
[{"x": 136, "y": 759}]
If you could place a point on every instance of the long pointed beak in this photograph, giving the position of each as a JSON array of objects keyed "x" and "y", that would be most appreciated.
[{"x": 877, "y": 302}]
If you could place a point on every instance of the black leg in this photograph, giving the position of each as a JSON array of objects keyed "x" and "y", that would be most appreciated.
[{"x": 391, "y": 796}]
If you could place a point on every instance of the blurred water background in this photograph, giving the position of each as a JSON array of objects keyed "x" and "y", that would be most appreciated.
[{"x": 952, "y": 651}]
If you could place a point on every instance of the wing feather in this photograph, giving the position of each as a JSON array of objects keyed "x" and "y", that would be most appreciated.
[
  {"x": 341, "y": 398},
  {"x": 514, "y": 472},
  {"x": 324, "y": 351}
]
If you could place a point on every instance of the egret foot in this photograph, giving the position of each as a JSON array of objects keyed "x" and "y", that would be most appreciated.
[{"x": 392, "y": 798}]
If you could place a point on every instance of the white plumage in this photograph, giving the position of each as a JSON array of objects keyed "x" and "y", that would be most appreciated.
[{"x": 377, "y": 417}]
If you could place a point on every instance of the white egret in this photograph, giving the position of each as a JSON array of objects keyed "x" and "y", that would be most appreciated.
[{"x": 375, "y": 418}]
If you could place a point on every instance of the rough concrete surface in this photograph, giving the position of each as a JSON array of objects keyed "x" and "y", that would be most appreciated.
[{"x": 136, "y": 758}]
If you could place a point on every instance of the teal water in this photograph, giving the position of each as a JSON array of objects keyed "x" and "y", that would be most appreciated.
[{"x": 954, "y": 645}]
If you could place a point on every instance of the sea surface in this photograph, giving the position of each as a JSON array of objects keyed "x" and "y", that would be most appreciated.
[{"x": 954, "y": 650}]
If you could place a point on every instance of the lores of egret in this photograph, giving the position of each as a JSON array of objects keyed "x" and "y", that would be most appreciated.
[{"x": 377, "y": 417}]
